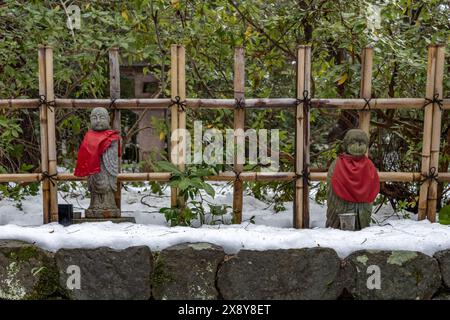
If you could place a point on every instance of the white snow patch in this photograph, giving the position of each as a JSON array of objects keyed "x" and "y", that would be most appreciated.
[
  {"x": 270, "y": 231},
  {"x": 420, "y": 236}
]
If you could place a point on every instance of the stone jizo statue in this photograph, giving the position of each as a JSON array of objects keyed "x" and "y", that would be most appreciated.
[
  {"x": 352, "y": 182},
  {"x": 98, "y": 159}
]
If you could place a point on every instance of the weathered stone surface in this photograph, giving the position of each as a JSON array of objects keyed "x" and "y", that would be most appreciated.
[
  {"x": 26, "y": 271},
  {"x": 281, "y": 274},
  {"x": 202, "y": 271},
  {"x": 442, "y": 296},
  {"x": 443, "y": 258},
  {"x": 106, "y": 273},
  {"x": 403, "y": 275},
  {"x": 187, "y": 271}
]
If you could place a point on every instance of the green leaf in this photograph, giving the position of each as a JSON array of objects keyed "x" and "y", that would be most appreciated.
[
  {"x": 174, "y": 183},
  {"x": 17, "y": 150},
  {"x": 167, "y": 166},
  {"x": 209, "y": 189},
  {"x": 184, "y": 184},
  {"x": 197, "y": 182},
  {"x": 444, "y": 215},
  {"x": 14, "y": 133},
  {"x": 26, "y": 167},
  {"x": 3, "y": 121},
  {"x": 218, "y": 210}
]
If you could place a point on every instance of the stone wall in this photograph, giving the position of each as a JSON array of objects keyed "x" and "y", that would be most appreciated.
[{"x": 204, "y": 271}]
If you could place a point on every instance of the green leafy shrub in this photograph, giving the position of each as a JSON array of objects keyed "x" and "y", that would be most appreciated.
[{"x": 190, "y": 184}]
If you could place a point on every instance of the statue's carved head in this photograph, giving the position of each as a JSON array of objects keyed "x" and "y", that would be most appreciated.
[
  {"x": 100, "y": 119},
  {"x": 356, "y": 142}
]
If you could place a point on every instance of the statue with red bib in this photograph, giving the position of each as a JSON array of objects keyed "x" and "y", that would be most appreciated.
[
  {"x": 98, "y": 159},
  {"x": 352, "y": 182}
]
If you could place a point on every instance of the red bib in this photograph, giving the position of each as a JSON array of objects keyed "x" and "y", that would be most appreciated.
[
  {"x": 355, "y": 179},
  {"x": 94, "y": 144}
]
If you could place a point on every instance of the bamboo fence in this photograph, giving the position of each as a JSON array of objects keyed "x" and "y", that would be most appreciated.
[
  {"x": 433, "y": 105},
  {"x": 114, "y": 92},
  {"x": 239, "y": 137}
]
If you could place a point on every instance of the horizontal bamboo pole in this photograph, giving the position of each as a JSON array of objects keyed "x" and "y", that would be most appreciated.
[
  {"x": 384, "y": 176},
  {"x": 154, "y": 176},
  {"x": 444, "y": 176},
  {"x": 446, "y": 104},
  {"x": 118, "y": 103},
  {"x": 123, "y": 177},
  {"x": 358, "y": 104},
  {"x": 223, "y": 176},
  {"x": 355, "y": 104},
  {"x": 249, "y": 103},
  {"x": 19, "y": 103},
  {"x": 20, "y": 177},
  {"x": 165, "y": 176}
]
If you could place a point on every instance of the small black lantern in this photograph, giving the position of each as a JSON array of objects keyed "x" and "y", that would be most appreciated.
[{"x": 65, "y": 214}]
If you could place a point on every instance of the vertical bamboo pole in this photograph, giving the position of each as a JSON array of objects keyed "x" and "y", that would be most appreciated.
[
  {"x": 44, "y": 138},
  {"x": 239, "y": 141},
  {"x": 366, "y": 87},
  {"x": 307, "y": 135},
  {"x": 173, "y": 115},
  {"x": 427, "y": 125},
  {"x": 52, "y": 160},
  {"x": 299, "y": 139},
  {"x": 436, "y": 131},
  {"x": 114, "y": 92},
  {"x": 181, "y": 61},
  {"x": 302, "y": 132}
]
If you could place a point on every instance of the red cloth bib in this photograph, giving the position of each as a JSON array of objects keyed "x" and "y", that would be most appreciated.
[
  {"x": 355, "y": 179},
  {"x": 94, "y": 144}
]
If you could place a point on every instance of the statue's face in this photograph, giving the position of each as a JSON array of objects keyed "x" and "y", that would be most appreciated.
[
  {"x": 100, "y": 119},
  {"x": 357, "y": 148},
  {"x": 356, "y": 142}
]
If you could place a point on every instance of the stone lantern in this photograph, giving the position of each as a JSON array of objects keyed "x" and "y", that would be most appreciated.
[{"x": 137, "y": 84}]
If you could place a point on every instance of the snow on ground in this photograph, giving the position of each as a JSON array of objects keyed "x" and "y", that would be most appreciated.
[
  {"x": 397, "y": 235},
  {"x": 270, "y": 231},
  {"x": 31, "y": 215}
]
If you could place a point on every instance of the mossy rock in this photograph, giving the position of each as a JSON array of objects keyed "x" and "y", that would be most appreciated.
[
  {"x": 106, "y": 274},
  {"x": 443, "y": 258},
  {"x": 26, "y": 271},
  {"x": 393, "y": 275},
  {"x": 285, "y": 274},
  {"x": 187, "y": 271}
]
